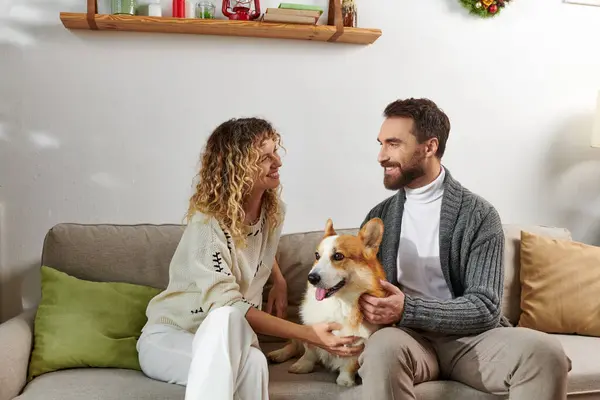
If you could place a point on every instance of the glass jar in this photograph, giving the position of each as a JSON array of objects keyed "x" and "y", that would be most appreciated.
[
  {"x": 123, "y": 7},
  {"x": 205, "y": 10}
]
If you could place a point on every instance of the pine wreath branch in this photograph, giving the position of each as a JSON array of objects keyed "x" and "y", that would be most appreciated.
[{"x": 483, "y": 11}]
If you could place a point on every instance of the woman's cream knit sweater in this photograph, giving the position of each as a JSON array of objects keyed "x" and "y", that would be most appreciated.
[{"x": 207, "y": 271}]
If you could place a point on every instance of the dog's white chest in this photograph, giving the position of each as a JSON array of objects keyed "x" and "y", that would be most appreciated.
[{"x": 334, "y": 309}]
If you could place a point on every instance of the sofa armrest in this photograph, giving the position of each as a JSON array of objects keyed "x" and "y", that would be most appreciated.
[{"x": 16, "y": 337}]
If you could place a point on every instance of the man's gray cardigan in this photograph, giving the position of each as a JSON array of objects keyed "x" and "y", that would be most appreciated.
[{"x": 471, "y": 257}]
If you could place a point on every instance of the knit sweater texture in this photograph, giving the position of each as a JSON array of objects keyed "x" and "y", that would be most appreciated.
[
  {"x": 472, "y": 260},
  {"x": 209, "y": 271}
]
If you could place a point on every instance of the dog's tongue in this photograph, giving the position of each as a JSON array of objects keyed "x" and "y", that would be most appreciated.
[{"x": 320, "y": 294}]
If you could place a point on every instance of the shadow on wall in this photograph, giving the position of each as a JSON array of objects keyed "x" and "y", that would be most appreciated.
[
  {"x": 573, "y": 179},
  {"x": 10, "y": 286},
  {"x": 15, "y": 285},
  {"x": 23, "y": 22}
]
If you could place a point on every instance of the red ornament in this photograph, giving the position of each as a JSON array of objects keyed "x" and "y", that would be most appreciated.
[
  {"x": 241, "y": 9},
  {"x": 493, "y": 9}
]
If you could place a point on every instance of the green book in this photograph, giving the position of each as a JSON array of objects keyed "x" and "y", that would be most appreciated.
[{"x": 294, "y": 6}]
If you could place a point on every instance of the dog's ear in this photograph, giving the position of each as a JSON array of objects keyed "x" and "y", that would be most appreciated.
[
  {"x": 329, "y": 231},
  {"x": 371, "y": 234}
]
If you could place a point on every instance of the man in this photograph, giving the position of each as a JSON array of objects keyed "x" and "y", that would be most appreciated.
[{"x": 443, "y": 253}]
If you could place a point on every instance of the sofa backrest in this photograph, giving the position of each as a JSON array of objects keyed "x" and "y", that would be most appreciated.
[
  {"x": 141, "y": 254},
  {"x": 138, "y": 254}
]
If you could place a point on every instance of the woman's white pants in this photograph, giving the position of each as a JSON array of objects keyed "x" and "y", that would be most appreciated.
[{"x": 221, "y": 361}]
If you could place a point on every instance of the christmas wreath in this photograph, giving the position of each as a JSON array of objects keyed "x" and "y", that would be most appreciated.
[{"x": 484, "y": 8}]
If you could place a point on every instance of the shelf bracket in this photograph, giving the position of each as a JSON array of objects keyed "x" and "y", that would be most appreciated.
[
  {"x": 335, "y": 19},
  {"x": 92, "y": 10}
]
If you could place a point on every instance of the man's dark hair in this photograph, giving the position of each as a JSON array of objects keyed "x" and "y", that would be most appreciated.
[{"x": 429, "y": 120}]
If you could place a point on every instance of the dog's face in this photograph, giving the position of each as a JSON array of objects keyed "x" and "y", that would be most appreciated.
[{"x": 346, "y": 262}]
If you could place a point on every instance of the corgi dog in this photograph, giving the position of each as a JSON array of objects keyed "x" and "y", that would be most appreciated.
[{"x": 345, "y": 267}]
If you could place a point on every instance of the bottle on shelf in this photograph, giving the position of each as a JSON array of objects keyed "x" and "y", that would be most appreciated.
[
  {"x": 150, "y": 8},
  {"x": 190, "y": 5},
  {"x": 179, "y": 8}
]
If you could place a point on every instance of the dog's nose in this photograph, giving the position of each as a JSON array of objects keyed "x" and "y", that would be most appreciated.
[{"x": 314, "y": 278}]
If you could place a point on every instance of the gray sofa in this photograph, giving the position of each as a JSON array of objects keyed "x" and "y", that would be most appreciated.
[{"x": 141, "y": 253}]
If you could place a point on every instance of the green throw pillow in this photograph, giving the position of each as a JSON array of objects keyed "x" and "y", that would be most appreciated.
[{"x": 87, "y": 324}]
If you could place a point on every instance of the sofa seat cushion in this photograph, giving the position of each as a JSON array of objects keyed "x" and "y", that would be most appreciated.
[
  {"x": 116, "y": 384},
  {"x": 583, "y": 378},
  {"x": 99, "y": 384},
  {"x": 119, "y": 384},
  {"x": 583, "y": 351},
  {"x": 320, "y": 385}
]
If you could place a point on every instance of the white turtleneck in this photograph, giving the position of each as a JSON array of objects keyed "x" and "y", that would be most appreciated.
[{"x": 419, "y": 270}]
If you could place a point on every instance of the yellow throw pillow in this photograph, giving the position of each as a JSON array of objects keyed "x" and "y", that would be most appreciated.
[{"x": 560, "y": 286}]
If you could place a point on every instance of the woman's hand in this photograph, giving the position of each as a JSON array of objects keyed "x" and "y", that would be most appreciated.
[
  {"x": 320, "y": 335},
  {"x": 278, "y": 298}
]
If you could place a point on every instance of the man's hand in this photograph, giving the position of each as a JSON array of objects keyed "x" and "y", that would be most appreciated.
[{"x": 383, "y": 311}]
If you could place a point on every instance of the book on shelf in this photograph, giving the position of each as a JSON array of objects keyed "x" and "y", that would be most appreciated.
[
  {"x": 289, "y": 19},
  {"x": 292, "y": 15},
  {"x": 288, "y": 11},
  {"x": 300, "y": 7}
]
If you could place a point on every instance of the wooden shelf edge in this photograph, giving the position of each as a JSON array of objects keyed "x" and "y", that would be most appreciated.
[{"x": 323, "y": 33}]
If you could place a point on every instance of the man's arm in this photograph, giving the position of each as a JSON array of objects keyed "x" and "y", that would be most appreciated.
[{"x": 480, "y": 307}]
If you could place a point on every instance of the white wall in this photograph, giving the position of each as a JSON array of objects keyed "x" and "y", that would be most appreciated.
[{"x": 107, "y": 127}]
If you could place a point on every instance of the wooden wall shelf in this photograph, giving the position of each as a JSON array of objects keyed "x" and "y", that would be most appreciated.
[{"x": 323, "y": 33}]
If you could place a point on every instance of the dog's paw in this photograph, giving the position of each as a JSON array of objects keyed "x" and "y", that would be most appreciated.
[
  {"x": 344, "y": 379},
  {"x": 278, "y": 356},
  {"x": 302, "y": 367}
]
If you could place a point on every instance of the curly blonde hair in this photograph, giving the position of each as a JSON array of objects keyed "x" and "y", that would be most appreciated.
[{"x": 229, "y": 167}]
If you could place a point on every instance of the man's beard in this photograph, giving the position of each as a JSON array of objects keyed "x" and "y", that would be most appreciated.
[{"x": 408, "y": 173}]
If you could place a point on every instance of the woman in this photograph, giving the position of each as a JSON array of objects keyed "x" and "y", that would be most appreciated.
[{"x": 201, "y": 331}]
